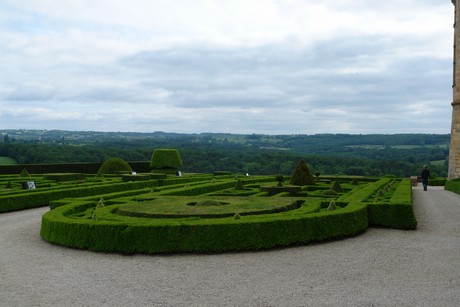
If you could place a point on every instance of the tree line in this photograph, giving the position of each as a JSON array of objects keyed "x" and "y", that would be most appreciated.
[{"x": 238, "y": 158}]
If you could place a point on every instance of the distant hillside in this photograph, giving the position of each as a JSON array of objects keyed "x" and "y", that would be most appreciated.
[{"x": 372, "y": 154}]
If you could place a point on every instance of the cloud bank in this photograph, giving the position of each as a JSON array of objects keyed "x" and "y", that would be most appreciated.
[{"x": 271, "y": 67}]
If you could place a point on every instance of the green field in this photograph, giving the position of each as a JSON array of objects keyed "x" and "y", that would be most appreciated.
[{"x": 7, "y": 161}]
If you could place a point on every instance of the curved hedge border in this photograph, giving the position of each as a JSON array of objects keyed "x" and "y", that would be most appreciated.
[
  {"x": 143, "y": 235},
  {"x": 71, "y": 225}
]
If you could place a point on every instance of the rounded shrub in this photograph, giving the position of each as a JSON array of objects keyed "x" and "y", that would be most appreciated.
[
  {"x": 114, "y": 166},
  {"x": 166, "y": 161}
]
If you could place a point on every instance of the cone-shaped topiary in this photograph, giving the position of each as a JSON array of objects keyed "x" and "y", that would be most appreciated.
[
  {"x": 166, "y": 161},
  {"x": 332, "y": 206},
  {"x": 302, "y": 175},
  {"x": 114, "y": 166},
  {"x": 24, "y": 173},
  {"x": 336, "y": 186},
  {"x": 239, "y": 185}
]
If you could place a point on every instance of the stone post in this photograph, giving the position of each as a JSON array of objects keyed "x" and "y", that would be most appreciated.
[{"x": 454, "y": 152}]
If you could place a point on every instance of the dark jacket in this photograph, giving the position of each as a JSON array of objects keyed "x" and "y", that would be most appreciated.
[{"x": 425, "y": 174}]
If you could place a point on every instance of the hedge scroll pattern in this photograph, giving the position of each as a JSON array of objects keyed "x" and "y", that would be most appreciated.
[{"x": 70, "y": 223}]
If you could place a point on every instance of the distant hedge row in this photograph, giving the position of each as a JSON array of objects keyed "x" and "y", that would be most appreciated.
[{"x": 87, "y": 168}]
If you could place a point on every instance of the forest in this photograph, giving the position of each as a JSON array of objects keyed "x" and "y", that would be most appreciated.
[{"x": 402, "y": 155}]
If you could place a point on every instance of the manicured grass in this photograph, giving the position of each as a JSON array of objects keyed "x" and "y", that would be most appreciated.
[{"x": 204, "y": 206}]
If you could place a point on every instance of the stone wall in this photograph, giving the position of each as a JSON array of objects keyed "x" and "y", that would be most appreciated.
[{"x": 454, "y": 153}]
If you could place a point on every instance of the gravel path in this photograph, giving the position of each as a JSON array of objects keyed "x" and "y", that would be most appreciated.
[{"x": 382, "y": 267}]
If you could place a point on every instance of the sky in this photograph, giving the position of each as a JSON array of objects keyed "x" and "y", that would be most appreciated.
[{"x": 231, "y": 66}]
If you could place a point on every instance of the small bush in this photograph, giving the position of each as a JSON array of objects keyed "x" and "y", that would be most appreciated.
[{"x": 114, "y": 166}]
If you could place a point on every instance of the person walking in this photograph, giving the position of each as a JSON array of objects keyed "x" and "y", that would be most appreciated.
[{"x": 425, "y": 176}]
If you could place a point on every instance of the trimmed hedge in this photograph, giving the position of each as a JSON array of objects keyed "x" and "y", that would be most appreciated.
[
  {"x": 398, "y": 213},
  {"x": 74, "y": 204},
  {"x": 43, "y": 198},
  {"x": 273, "y": 190},
  {"x": 83, "y": 167},
  {"x": 114, "y": 166},
  {"x": 64, "y": 176},
  {"x": 70, "y": 224},
  {"x": 140, "y": 235},
  {"x": 453, "y": 186},
  {"x": 129, "y": 177},
  {"x": 166, "y": 160},
  {"x": 439, "y": 182},
  {"x": 302, "y": 175}
]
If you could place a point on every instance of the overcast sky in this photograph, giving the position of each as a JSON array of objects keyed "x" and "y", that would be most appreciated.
[{"x": 238, "y": 66}]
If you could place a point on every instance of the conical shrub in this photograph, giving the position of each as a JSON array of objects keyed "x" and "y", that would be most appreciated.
[{"x": 302, "y": 175}]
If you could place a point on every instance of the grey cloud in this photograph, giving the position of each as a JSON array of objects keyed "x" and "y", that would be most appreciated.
[{"x": 199, "y": 76}]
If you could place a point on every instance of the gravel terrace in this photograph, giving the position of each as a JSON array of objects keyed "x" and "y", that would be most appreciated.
[{"x": 381, "y": 267}]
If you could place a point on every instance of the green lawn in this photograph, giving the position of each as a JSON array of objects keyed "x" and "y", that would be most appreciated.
[{"x": 7, "y": 161}]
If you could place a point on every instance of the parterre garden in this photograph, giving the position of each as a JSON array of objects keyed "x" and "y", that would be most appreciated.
[{"x": 126, "y": 212}]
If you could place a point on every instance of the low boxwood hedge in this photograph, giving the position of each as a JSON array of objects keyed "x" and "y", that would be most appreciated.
[
  {"x": 146, "y": 235},
  {"x": 71, "y": 223},
  {"x": 36, "y": 198},
  {"x": 64, "y": 176},
  {"x": 453, "y": 186},
  {"x": 398, "y": 213}
]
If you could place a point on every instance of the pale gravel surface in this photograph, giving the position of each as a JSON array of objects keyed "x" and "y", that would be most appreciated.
[{"x": 381, "y": 267}]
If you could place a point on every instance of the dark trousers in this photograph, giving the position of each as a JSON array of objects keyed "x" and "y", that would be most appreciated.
[{"x": 425, "y": 184}]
